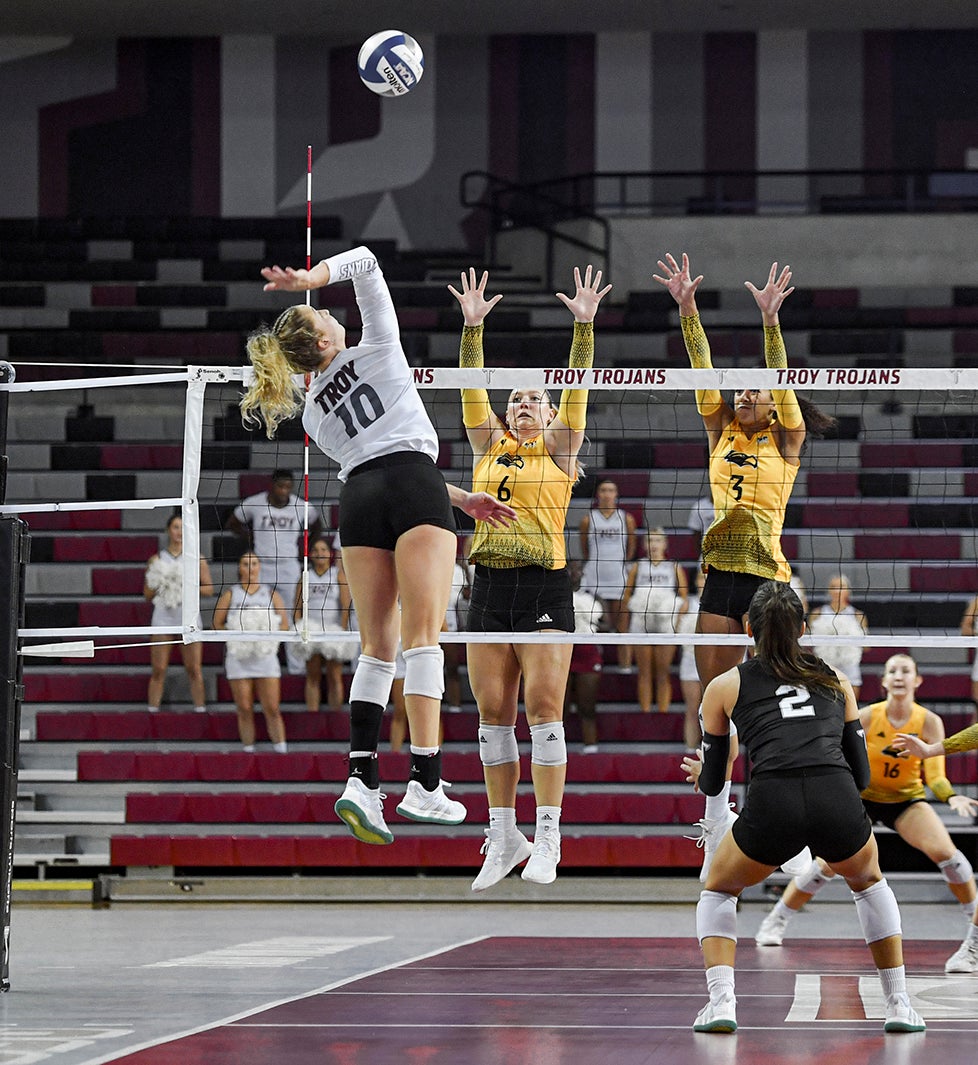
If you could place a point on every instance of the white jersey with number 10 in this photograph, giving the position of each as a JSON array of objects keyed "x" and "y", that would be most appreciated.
[{"x": 365, "y": 404}]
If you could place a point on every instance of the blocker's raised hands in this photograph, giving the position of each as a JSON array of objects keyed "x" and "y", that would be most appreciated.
[
  {"x": 677, "y": 280},
  {"x": 472, "y": 298},
  {"x": 584, "y": 303}
]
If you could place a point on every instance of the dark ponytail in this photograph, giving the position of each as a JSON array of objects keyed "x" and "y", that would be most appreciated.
[
  {"x": 817, "y": 422},
  {"x": 776, "y": 617}
]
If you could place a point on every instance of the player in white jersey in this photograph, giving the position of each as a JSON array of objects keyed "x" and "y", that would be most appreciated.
[
  {"x": 329, "y": 610},
  {"x": 396, "y": 524},
  {"x": 656, "y": 595},
  {"x": 252, "y": 665},
  {"x": 607, "y": 547},
  {"x": 272, "y": 522},
  {"x": 163, "y": 587},
  {"x": 840, "y": 618}
]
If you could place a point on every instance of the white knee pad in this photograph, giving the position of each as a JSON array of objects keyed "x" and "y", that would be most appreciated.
[
  {"x": 547, "y": 744},
  {"x": 957, "y": 869},
  {"x": 424, "y": 671},
  {"x": 878, "y": 913},
  {"x": 372, "y": 681},
  {"x": 716, "y": 915},
  {"x": 812, "y": 880},
  {"x": 497, "y": 744}
]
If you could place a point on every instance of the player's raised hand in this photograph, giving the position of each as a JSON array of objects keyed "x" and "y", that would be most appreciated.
[
  {"x": 584, "y": 303},
  {"x": 681, "y": 286},
  {"x": 472, "y": 298}
]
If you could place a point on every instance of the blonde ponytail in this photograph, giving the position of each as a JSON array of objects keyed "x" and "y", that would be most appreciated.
[{"x": 289, "y": 347}]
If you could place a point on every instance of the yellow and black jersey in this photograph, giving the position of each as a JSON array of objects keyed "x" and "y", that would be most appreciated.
[
  {"x": 751, "y": 484},
  {"x": 894, "y": 778},
  {"x": 526, "y": 478}
]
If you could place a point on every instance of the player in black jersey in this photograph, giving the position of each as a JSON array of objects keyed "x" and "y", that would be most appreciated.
[{"x": 799, "y": 721}]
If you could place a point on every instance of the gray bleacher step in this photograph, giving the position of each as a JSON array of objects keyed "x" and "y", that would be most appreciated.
[
  {"x": 71, "y": 817},
  {"x": 45, "y": 775}
]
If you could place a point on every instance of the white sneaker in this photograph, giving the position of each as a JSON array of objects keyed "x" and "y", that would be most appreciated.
[
  {"x": 801, "y": 863},
  {"x": 589, "y": 748},
  {"x": 362, "y": 809},
  {"x": 771, "y": 932},
  {"x": 432, "y": 807},
  {"x": 542, "y": 866},
  {"x": 504, "y": 850},
  {"x": 964, "y": 959},
  {"x": 901, "y": 1016},
  {"x": 717, "y": 1017},
  {"x": 712, "y": 830}
]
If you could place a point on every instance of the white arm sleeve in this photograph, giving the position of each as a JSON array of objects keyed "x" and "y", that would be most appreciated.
[{"x": 360, "y": 266}]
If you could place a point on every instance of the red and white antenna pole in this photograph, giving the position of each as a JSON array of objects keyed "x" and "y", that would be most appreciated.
[{"x": 305, "y": 450}]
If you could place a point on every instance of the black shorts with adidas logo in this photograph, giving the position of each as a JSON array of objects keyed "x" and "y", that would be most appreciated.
[{"x": 523, "y": 599}]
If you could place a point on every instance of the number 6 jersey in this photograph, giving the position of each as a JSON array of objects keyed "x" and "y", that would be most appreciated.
[
  {"x": 365, "y": 404},
  {"x": 785, "y": 726}
]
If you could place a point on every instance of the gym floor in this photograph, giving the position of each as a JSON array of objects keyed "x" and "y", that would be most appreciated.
[{"x": 461, "y": 982}]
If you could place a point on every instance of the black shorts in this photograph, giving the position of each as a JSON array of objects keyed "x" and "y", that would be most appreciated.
[
  {"x": 818, "y": 807},
  {"x": 886, "y": 813},
  {"x": 523, "y": 599},
  {"x": 728, "y": 593},
  {"x": 387, "y": 496}
]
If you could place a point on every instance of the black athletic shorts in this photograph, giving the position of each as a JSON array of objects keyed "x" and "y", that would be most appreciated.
[
  {"x": 886, "y": 813},
  {"x": 387, "y": 496},
  {"x": 524, "y": 599},
  {"x": 728, "y": 593},
  {"x": 818, "y": 807}
]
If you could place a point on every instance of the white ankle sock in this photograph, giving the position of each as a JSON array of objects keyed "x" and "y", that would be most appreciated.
[
  {"x": 894, "y": 980},
  {"x": 720, "y": 982}
]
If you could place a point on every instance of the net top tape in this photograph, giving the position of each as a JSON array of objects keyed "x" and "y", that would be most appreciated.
[{"x": 657, "y": 378}]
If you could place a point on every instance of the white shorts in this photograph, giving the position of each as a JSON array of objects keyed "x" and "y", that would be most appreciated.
[
  {"x": 687, "y": 665},
  {"x": 252, "y": 667},
  {"x": 652, "y": 611}
]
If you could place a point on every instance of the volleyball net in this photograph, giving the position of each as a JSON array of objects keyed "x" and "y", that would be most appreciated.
[{"x": 96, "y": 466}]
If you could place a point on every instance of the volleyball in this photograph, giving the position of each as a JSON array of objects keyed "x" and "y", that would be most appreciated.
[{"x": 390, "y": 63}]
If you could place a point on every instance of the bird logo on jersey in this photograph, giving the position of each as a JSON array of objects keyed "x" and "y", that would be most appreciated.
[
  {"x": 738, "y": 458},
  {"x": 511, "y": 460}
]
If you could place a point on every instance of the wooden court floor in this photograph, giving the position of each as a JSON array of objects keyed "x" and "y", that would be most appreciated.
[{"x": 462, "y": 984}]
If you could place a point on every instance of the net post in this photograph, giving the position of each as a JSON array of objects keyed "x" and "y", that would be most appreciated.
[{"x": 14, "y": 551}]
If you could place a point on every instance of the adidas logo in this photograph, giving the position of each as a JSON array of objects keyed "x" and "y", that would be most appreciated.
[
  {"x": 482, "y": 739},
  {"x": 544, "y": 618},
  {"x": 546, "y": 817},
  {"x": 552, "y": 737}
]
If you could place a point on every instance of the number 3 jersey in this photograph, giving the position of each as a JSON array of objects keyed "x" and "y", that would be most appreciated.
[
  {"x": 751, "y": 484},
  {"x": 365, "y": 404},
  {"x": 786, "y": 726},
  {"x": 527, "y": 478}
]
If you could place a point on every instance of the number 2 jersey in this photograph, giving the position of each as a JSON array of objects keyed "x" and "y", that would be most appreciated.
[
  {"x": 751, "y": 484},
  {"x": 365, "y": 404},
  {"x": 785, "y": 726}
]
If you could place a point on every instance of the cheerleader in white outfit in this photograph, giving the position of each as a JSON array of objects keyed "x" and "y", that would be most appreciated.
[
  {"x": 656, "y": 595},
  {"x": 329, "y": 612},
  {"x": 840, "y": 618},
  {"x": 252, "y": 666},
  {"x": 163, "y": 587},
  {"x": 608, "y": 547}
]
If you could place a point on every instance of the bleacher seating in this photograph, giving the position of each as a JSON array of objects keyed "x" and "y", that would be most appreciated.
[{"x": 894, "y": 505}]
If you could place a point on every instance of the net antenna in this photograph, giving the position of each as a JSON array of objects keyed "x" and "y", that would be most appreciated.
[{"x": 304, "y": 629}]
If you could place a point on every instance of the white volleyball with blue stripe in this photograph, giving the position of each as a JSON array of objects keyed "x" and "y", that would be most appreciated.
[{"x": 390, "y": 63}]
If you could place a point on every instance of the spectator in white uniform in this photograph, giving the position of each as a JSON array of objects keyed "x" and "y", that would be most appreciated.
[
  {"x": 163, "y": 587},
  {"x": 272, "y": 524},
  {"x": 840, "y": 618},
  {"x": 607, "y": 547}
]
